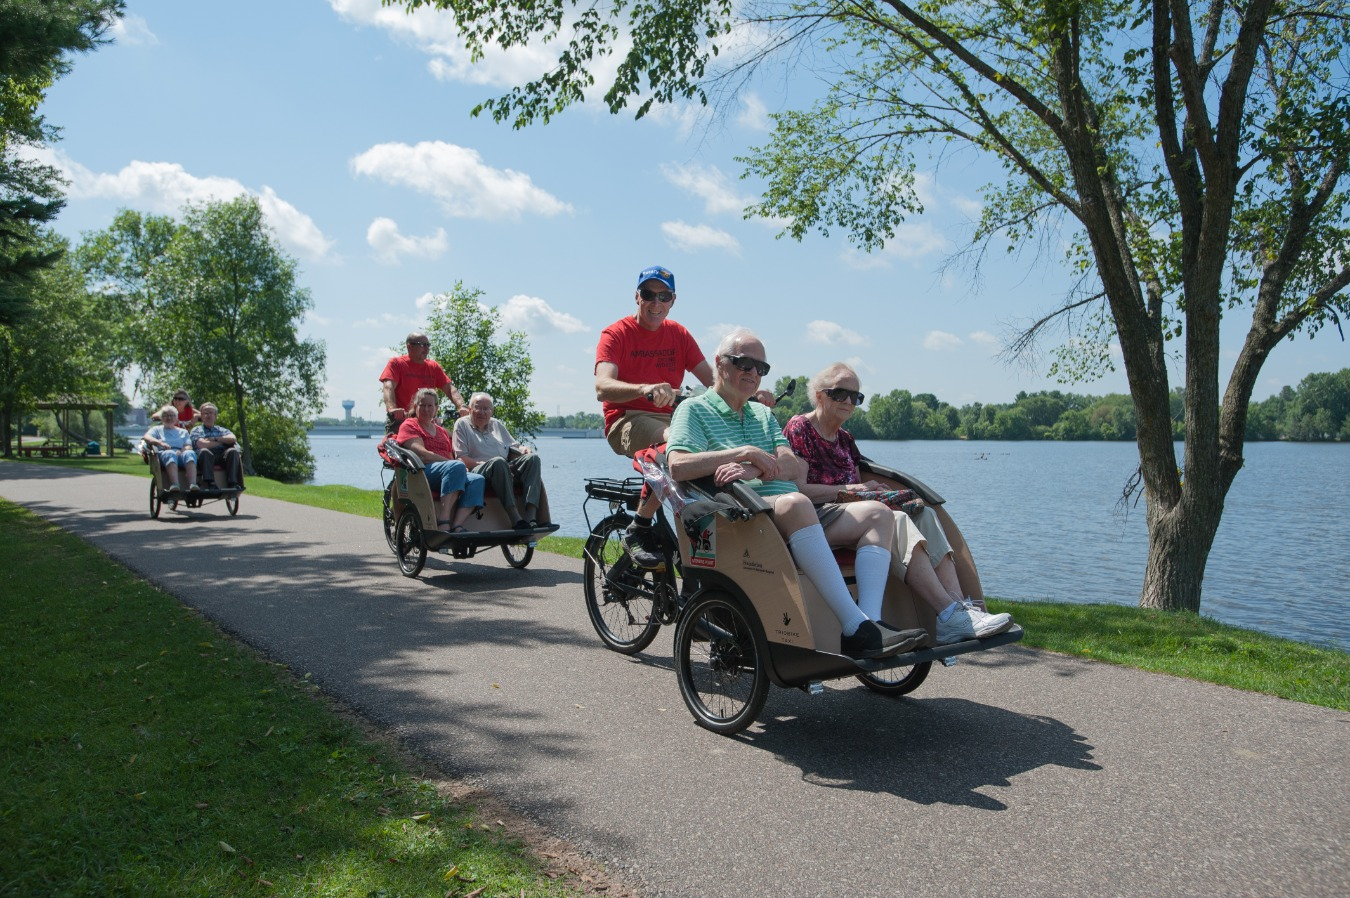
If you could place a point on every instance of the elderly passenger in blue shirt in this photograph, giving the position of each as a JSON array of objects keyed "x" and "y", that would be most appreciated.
[
  {"x": 216, "y": 445},
  {"x": 173, "y": 447}
]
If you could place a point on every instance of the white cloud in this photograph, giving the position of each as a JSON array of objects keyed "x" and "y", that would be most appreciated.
[
  {"x": 941, "y": 341},
  {"x": 913, "y": 241},
  {"x": 692, "y": 238},
  {"x": 535, "y": 316},
  {"x": 433, "y": 32},
  {"x": 983, "y": 337},
  {"x": 389, "y": 320},
  {"x": 829, "y": 333},
  {"x": 165, "y": 187},
  {"x": 457, "y": 178},
  {"x": 132, "y": 30},
  {"x": 390, "y": 246},
  {"x": 710, "y": 185},
  {"x": 294, "y": 228},
  {"x": 754, "y": 114}
]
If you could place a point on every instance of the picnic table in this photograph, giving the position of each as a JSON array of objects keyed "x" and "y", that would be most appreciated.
[{"x": 59, "y": 451}]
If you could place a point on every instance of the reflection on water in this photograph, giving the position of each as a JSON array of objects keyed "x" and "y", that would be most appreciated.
[{"x": 1044, "y": 520}]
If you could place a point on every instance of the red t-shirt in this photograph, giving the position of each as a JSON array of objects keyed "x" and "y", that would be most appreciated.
[
  {"x": 436, "y": 440},
  {"x": 408, "y": 378},
  {"x": 646, "y": 357}
]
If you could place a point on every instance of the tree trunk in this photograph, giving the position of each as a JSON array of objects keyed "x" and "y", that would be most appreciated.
[{"x": 1179, "y": 541}]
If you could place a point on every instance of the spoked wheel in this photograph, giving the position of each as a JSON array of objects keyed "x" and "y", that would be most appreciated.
[
  {"x": 389, "y": 519},
  {"x": 624, "y": 621},
  {"x": 897, "y": 680},
  {"x": 232, "y": 503},
  {"x": 409, "y": 544},
  {"x": 517, "y": 554},
  {"x": 721, "y": 663},
  {"x": 156, "y": 503}
]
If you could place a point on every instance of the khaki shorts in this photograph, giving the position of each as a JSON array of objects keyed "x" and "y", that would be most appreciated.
[{"x": 636, "y": 431}]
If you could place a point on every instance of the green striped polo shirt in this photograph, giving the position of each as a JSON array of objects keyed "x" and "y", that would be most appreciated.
[{"x": 707, "y": 424}]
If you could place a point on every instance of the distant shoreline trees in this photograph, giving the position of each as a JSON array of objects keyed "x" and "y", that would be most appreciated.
[{"x": 1317, "y": 410}]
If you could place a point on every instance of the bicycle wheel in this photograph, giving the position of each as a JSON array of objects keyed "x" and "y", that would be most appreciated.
[
  {"x": 156, "y": 503},
  {"x": 389, "y": 520},
  {"x": 232, "y": 504},
  {"x": 517, "y": 554},
  {"x": 411, "y": 546},
  {"x": 721, "y": 662},
  {"x": 622, "y": 612},
  {"x": 897, "y": 680}
]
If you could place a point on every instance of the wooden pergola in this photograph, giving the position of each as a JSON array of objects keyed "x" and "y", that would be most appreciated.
[{"x": 62, "y": 406}]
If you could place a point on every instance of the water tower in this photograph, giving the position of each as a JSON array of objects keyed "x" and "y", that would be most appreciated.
[{"x": 347, "y": 406}]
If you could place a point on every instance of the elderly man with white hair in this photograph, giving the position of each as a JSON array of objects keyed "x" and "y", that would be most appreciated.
[
  {"x": 485, "y": 445},
  {"x": 723, "y": 434}
]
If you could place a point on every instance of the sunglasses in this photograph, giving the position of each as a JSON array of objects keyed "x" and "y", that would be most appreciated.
[
  {"x": 839, "y": 394},
  {"x": 656, "y": 296},
  {"x": 745, "y": 363},
  {"x": 418, "y": 343}
]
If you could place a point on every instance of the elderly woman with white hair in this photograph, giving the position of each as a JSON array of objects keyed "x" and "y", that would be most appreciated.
[
  {"x": 831, "y": 459},
  {"x": 724, "y": 435}
]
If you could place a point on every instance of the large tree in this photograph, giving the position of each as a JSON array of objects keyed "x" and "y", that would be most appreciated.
[
  {"x": 61, "y": 347},
  {"x": 37, "y": 40},
  {"x": 234, "y": 306},
  {"x": 1192, "y": 155},
  {"x": 464, "y": 340},
  {"x": 213, "y": 305}
]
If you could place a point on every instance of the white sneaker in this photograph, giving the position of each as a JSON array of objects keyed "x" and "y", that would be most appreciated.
[
  {"x": 957, "y": 628},
  {"x": 987, "y": 624}
]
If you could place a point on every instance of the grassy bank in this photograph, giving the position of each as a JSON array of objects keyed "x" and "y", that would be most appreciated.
[
  {"x": 1184, "y": 645},
  {"x": 145, "y": 753}
]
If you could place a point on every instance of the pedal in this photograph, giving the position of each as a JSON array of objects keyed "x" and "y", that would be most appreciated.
[
  {"x": 949, "y": 661},
  {"x": 814, "y": 687}
]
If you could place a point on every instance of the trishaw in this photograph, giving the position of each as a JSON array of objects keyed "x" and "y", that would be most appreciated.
[
  {"x": 204, "y": 494},
  {"x": 744, "y": 616},
  {"x": 410, "y": 518}
]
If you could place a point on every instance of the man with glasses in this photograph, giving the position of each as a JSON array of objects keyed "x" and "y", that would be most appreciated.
[
  {"x": 404, "y": 375},
  {"x": 725, "y": 435},
  {"x": 640, "y": 363}
]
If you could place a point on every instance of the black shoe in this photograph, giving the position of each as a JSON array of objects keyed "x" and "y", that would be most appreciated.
[
  {"x": 867, "y": 642},
  {"x": 236, "y": 486},
  {"x": 523, "y": 524},
  {"x": 903, "y": 640},
  {"x": 641, "y": 545}
]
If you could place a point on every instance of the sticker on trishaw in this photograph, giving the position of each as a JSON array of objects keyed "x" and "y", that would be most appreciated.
[
  {"x": 703, "y": 547},
  {"x": 403, "y": 479}
]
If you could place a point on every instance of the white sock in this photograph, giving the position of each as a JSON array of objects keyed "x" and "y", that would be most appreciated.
[
  {"x": 812, "y": 554},
  {"x": 873, "y": 566},
  {"x": 946, "y": 613}
]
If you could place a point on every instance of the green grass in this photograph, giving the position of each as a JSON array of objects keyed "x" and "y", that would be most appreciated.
[{"x": 145, "y": 753}]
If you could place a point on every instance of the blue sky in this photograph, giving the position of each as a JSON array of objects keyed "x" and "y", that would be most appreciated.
[{"x": 351, "y": 123}]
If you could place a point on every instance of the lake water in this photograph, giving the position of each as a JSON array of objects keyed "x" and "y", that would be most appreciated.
[{"x": 1043, "y": 520}]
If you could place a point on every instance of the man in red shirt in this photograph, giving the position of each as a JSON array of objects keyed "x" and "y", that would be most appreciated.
[
  {"x": 404, "y": 375},
  {"x": 640, "y": 363}
]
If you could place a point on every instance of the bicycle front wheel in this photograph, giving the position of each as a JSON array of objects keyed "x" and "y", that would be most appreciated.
[{"x": 618, "y": 596}]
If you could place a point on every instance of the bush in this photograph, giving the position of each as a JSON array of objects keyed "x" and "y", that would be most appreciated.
[{"x": 280, "y": 446}]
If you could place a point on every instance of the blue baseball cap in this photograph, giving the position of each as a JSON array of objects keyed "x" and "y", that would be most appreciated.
[{"x": 657, "y": 273}]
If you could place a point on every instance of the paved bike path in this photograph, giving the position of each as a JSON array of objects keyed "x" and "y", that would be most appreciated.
[{"x": 1017, "y": 772}]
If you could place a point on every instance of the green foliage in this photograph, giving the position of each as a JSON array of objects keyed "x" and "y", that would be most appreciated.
[
  {"x": 37, "y": 41},
  {"x": 463, "y": 336},
  {"x": 59, "y": 348},
  {"x": 212, "y": 305},
  {"x": 280, "y": 445},
  {"x": 789, "y": 406}
]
